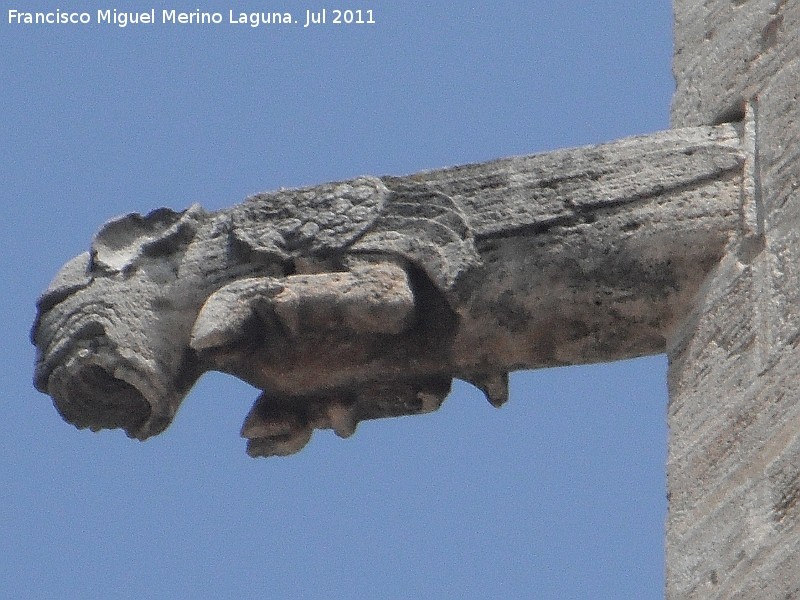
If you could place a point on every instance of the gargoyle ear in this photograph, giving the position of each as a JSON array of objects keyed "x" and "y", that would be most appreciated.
[{"x": 122, "y": 242}]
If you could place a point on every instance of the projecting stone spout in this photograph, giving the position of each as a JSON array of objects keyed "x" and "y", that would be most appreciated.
[{"x": 363, "y": 299}]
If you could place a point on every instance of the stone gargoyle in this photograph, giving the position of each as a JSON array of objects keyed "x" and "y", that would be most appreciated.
[{"x": 363, "y": 299}]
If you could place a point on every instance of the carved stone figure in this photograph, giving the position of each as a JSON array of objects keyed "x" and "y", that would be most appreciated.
[{"x": 363, "y": 299}]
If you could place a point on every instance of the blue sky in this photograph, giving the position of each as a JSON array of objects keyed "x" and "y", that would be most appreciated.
[{"x": 559, "y": 494}]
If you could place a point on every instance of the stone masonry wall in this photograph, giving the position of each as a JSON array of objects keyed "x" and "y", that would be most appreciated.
[{"x": 733, "y": 529}]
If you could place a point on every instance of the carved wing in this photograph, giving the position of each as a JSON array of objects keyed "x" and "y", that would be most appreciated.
[
  {"x": 309, "y": 222},
  {"x": 427, "y": 228}
]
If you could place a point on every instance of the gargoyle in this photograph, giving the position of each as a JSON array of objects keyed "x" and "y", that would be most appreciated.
[{"x": 363, "y": 299}]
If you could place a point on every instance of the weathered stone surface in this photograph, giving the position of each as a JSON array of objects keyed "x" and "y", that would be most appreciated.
[
  {"x": 726, "y": 51},
  {"x": 734, "y": 456},
  {"x": 363, "y": 299}
]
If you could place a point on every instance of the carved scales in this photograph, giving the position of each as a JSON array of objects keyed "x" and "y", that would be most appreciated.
[{"x": 363, "y": 299}]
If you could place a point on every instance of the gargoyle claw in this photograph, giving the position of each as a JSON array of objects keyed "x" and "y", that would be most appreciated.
[
  {"x": 279, "y": 445},
  {"x": 343, "y": 419},
  {"x": 494, "y": 385},
  {"x": 274, "y": 429},
  {"x": 281, "y": 426}
]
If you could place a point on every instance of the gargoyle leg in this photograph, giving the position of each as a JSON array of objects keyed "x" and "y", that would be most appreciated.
[{"x": 370, "y": 298}]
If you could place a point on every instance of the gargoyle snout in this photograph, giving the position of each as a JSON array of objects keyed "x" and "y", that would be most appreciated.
[{"x": 101, "y": 374}]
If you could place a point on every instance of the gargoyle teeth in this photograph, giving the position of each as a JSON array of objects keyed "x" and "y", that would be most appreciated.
[{"x": 493, "y": 385}]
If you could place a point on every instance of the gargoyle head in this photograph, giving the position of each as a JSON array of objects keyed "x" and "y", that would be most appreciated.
[{"x": 112, "y": 342}]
